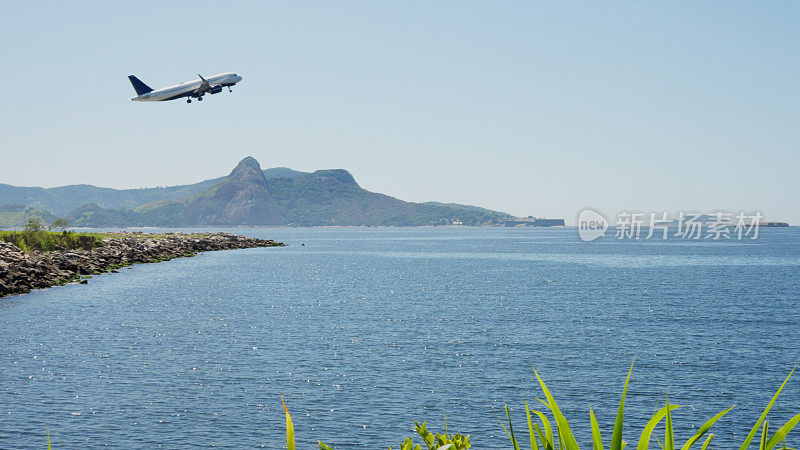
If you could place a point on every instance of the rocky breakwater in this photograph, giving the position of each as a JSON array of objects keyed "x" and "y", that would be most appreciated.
[{"x": 22, "y": 271}]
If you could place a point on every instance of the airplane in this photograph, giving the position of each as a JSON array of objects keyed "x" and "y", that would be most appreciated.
[{"x": 189, "y": 89}]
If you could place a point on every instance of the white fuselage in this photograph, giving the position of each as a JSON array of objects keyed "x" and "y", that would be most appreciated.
[{"x": 186, "y": 89}]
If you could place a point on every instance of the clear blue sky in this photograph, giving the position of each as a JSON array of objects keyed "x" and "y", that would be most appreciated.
[{"x": 530, "y": 108}]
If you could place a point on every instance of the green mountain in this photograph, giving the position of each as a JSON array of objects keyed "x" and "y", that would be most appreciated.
[
  {"x": 241, "y": 198},
  {"x": 64, "y": 199},
  {"x": 61, "y": 200},
  {"x": 248, "y": 196},
  {"x": 16, "y": 216}
]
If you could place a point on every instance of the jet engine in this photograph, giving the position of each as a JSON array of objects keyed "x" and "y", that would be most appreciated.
[{"x": 215, "y": 89}]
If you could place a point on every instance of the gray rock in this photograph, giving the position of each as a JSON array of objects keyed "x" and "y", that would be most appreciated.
[{"x": 20, "y": 271}]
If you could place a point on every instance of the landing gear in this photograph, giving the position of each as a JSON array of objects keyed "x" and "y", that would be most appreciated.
[
  {"x": 188, "y": 100},
  {"x": 199, "y": 99},
  {"x": 229, "y": 89}
]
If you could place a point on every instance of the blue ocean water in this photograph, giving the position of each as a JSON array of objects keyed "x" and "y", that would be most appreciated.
[{"x": 365, "y": 330}]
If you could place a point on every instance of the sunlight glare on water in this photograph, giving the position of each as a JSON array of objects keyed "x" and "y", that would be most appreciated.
[{"x": 365, "y": 330}]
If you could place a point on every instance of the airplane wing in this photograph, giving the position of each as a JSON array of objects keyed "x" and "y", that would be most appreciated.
[{"x": 204, "y": 86}]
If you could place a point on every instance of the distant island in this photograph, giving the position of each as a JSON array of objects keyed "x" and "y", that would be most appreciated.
[{"x": 248, "y": 196}]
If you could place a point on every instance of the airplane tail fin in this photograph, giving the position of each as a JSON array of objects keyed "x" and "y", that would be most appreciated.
[{"x": 138, "y": 86}]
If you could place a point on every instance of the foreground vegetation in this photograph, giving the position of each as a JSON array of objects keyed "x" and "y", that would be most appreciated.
[
  {"x": 543, "y": 435},
  {"x": 35, "y": 237}
]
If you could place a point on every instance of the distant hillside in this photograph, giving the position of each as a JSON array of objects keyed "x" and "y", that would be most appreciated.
[
  {"x": 282, "y": 172},
  {"x": 241, "y": 198},
  {"x": 15, "y": 216},
  {"x": 247, "y": 196},
  {"x": 63, "y": 199}
]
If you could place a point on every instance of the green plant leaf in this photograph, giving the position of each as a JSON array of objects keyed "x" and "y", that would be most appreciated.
[
  {"x": 706, "y": 426},
  {"x": 510, "y": 437},
  {"x": 669, "y": 438},
  {"x": 764, "y": 432},
  {"x": 707, "y": 442},
  {"x": 548, "y": 429},
  {"x": 597, "y": 441},
  {"x": 531, "y": 432},
  {"x": 547, "y": 444},
  {"x": 48, "y": 438},
  {"x": 616, "y": 436},
  {"x": 564, "y": 431},
  {"x": 324, "y": 446},
  {"x": 427, "y": 437},
  {"x": 753, "y": 431},
  {"x": 510, "y": 431},
  {"x": 780, "y": 435},
  {"x": 644, "y": 438},
  {"x": 289, "y": 428}
]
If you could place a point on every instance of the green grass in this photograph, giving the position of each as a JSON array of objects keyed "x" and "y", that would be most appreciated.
[
  {"x": 542, "y": 434},
  {"x": 35, "y": 237},
  {"x": 289, "y": 428},
  {"x": 48, "y": 241},
  {"x": 563, "y": 438}
]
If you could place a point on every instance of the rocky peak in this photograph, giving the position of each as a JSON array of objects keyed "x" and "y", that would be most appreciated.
[
  {"x": 248, "y": 170},
  {"x": 242, "y": 198}
]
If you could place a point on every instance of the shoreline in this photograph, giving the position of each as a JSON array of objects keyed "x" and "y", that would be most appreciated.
[{"x": 21, "y": 272}]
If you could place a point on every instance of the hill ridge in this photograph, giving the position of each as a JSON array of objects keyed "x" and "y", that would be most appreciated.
[{"x": 247, "y": 196}]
